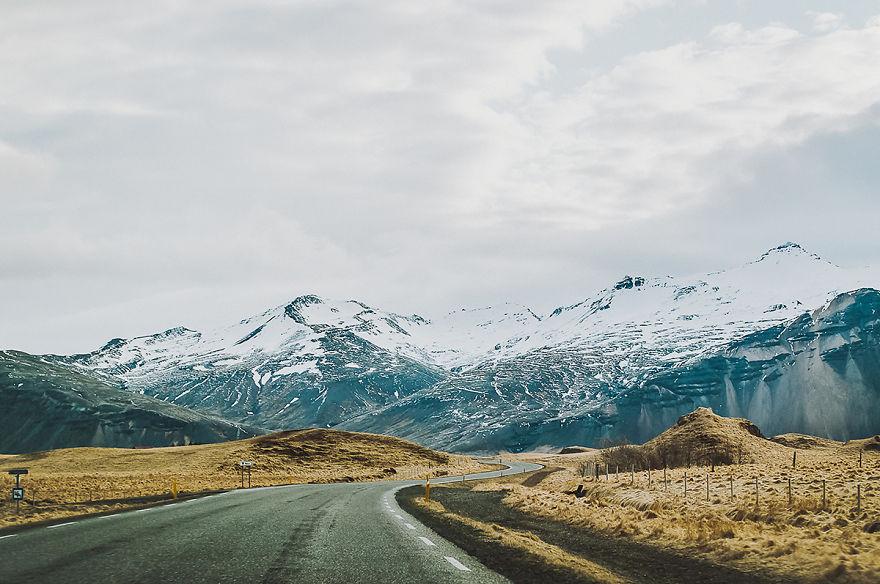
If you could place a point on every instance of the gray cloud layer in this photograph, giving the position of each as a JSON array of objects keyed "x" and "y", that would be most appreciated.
[{"x": 191, "y": 163}]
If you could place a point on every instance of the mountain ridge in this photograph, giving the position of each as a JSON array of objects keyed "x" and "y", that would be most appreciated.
[{"x": 498, "y": 371}]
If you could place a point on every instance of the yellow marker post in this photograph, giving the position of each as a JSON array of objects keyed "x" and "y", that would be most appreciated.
[
  {"x": 174, "y": 489},
  {"x": 427, "y": 488}
]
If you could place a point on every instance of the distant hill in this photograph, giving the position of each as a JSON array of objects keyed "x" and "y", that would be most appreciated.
[{"x": 47, "y": 405}]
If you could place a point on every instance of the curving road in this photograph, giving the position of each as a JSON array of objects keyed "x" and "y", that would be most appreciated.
[{"x": 345, "y": 533}]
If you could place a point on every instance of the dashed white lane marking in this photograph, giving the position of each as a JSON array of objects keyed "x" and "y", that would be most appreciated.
[
  {"x": 410, "y": 526},
  {"x": 457, "y": 564},
  {"x": 5, "y": 536},
  {"x": 61, "y": 525},
  {"x": 428, "y": 541}
]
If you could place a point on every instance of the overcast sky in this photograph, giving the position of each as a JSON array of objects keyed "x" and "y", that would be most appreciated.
[{"x": 191, "y": 163}]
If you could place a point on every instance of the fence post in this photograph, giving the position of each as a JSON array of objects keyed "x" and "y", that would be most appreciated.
[
  {"x": 665, "y": 483},
  {"x": 649, "y": 476},
  {"x": 617, "y": 473},
  {"x": 794, "y": 459},
  {"x": 757, "y": 498},
  {"x": 731, "y": 488},
  {"x": 632, "y": 474},
  {"x": 823, "y": 494},
  {"x": 707, "y": 487},
  {"x": 606, "y": 472},
  {"x": 858, "y": 497},
  {"x": 860, "y": 459}
]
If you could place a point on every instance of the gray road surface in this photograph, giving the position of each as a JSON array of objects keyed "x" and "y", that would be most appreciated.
[{"x": 345, "y": 533}]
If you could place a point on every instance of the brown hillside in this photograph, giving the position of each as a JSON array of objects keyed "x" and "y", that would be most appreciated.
[
  {"x": 703, "y": 435},
  {"x": 75, "y": 480},
  {"x": 700, "y": 437},
  {"x": 804, "y": 441}
]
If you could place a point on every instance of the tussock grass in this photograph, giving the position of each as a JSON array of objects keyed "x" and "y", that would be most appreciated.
[{"x": 799, "y": 538}]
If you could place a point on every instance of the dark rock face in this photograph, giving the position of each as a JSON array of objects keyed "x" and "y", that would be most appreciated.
[
  {"x": 819, "y": 374},
  {"x": 49, "y": 406}
]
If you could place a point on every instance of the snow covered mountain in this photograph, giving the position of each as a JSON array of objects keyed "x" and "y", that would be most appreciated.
[{"x": 505, "y": 377}]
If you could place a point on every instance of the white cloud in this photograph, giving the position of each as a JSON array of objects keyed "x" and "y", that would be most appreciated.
[
  {"x": 396, "y": 150},
  {"x": 666, "y": 128},
  {"x": 825, "y": 21}
]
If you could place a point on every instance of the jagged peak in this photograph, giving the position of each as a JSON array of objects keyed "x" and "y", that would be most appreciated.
[
  {"x": 788, "y": 248},
  {"x": 629, "y": 282},
  {"x": 174, "y": 332},
  {"x": 305, "y": 300},
  {"x": 112, "y": 344}
]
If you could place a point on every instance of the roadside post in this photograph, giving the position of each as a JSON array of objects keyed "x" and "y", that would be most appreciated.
[
  {"x": 245, "y": 465},
  {"x": 18, "y": 490},
  {"x": 427, "y": 487}
]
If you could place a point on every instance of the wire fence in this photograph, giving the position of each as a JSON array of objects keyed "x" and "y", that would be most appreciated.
[{"x": 853, "y": 487}]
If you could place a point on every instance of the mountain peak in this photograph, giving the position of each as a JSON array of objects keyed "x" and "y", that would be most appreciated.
[
  {"x": 788, "y": 248},
  {"x": 293, "y": 310}
]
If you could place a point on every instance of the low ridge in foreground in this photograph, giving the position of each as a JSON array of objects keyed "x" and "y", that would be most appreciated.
[{"x": 73, "y": 481}]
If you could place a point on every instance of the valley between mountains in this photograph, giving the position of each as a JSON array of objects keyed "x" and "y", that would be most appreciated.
[{"x": 788, "y": 340}]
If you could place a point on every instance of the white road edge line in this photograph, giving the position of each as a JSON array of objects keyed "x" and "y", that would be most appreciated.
[
  {"x": 427, "y": 541},
  {"x": 410, "y": 526},
  {"x": 61, "y": 525},
  {"x": 399, "y": 516},
  {"x": 108, "y": 516},
  {"x": 5, "y": 536},
  {"x": 457, "y": 564}
]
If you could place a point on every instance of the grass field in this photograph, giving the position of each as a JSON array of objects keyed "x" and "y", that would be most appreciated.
[
  {"x": 798, "y": 540},
  {"x": 74, "y": 481}
]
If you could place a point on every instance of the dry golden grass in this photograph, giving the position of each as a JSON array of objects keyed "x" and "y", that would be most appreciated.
[
  {"x": 73, "y": 481},
  {"x": 526, "y": 543},
  {"x": 801, "y": 539}
]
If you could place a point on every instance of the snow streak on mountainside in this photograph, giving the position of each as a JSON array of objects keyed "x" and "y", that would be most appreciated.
[{"x": 473, "y": 379}]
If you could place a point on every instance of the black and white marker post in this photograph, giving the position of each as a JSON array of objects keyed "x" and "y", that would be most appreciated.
[
  {"x": 18, "y": 490},
  {"x": 246, "y": 465}
]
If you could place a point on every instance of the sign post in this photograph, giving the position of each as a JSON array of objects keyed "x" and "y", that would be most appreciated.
[
  {"x": 18, "y": 490},
  {"x": 245, "y": 465}
]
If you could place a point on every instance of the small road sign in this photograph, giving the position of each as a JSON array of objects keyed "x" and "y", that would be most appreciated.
[
  {"x": 245, "y": 466},
  {"x": 18, "y": 471},
  {"x": 18, "y": 494}
]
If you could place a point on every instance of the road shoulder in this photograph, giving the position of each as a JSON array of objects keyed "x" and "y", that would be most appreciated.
[{"x": 525, "y": 548}]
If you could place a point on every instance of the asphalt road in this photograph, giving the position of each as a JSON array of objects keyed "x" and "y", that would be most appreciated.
[{"x": 345, "y": 533}]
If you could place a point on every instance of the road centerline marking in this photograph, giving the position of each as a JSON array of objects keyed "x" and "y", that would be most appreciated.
[
  {"x": 427, "y": 541},
  {"x": 457, "y": 564}
]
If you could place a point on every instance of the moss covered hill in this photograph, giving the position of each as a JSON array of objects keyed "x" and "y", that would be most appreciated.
[
  {"x": 47, "y": 406},
  {"x": 700, "y": 437}
]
